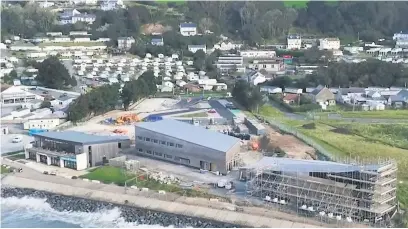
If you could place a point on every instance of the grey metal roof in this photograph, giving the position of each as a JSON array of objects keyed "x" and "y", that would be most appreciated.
[
  {"x": 190, "y": 133},
  {"x": 79, "y": 137},
  {"x": 305, "y": 166}
]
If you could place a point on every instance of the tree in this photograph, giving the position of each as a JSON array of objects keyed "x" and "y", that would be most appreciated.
[
  {"x": 205, "y": 24},
  {"x": 9, "y": 78},
  {"x": 53, "y": 74}
]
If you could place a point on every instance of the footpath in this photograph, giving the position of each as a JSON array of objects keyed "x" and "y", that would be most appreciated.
[{"x": 195, "y": 207}]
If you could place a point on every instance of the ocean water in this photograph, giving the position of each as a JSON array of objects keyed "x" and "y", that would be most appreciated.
[{"x": 37, "y": 213}]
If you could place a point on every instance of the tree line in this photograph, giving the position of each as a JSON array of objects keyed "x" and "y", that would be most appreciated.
[
  {"x": 249, "y": 97},
  {"x": 108, "y": 97}
]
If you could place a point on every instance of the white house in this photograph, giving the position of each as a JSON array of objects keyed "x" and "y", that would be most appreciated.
[
  {"x": 54, "y": 34},
  {"x": 188, "y": 29},
  {"x": 45, "y": 4},
  {"x": 255, "y": 78},
  {"x": 46, "y": 123},
  {"x": 402, "y": 43},
  {"x": 61, "y": 39},
  {"x": 125, "y": 43},
  {"x": 195, "y": 48},
  {"x": 268, "y": 65},
  {"x": 294, "y": 42},
  {"x": 400, "y": 35},
  {"x": 79, "y": 33},
  {"x": 271, "y": 89},
  {"x": 62, "y": 102},
  {"x": 82, "y": 39},
  {"x": 290, "y": 90},
  {"x": 258, "y": 53},
  {"x": 329, "y": 44},
  {"x": 224, "y": 46},
  {"x": 107, "y": 5},
  {"x": 73, "y": 16}
]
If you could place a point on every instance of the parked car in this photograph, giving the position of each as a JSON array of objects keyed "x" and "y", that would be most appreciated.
[{"x": 17, "y": 139}]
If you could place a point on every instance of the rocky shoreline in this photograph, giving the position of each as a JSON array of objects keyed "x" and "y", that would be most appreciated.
[{"x": 129, "y": 213}]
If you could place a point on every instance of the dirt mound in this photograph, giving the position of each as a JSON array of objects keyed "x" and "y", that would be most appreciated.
[
  {"x": 309, "y": 126},
  {"x": 341, "y": 131},
  {"x": 154, "y": 28}
]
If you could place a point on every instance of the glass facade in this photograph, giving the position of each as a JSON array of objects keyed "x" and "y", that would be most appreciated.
[
  {"x": 55, "y": 161},
  {"x": 70, "y": 164}
]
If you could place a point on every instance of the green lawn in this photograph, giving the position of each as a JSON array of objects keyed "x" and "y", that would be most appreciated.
[
  {"x": 4, "y": 170},
  {"x": 17, "y": 156},
  {"x": 109, "y": 174},
  {"x": 386, "y": 114},
  {"x": 195, "y": 115}
]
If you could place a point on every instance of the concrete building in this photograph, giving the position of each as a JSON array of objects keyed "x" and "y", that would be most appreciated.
[
  {"x": 186, "y": 144},
  {"x": 294, "y": 42},
  {"x": 400, "y": 35},
  {"x": 258, "y": 53},
  {"x": 125, "y": 43},
  {"x": 224, "y": 46},
  {"x": 188, "y": 29},
  {"x": 75, "y": 150},
  {"x": 230, "y": 63},
  {"x": 16, "y": 95},
  {"x": 329, "y": 44},
  {"x": 269, "y": 65}
]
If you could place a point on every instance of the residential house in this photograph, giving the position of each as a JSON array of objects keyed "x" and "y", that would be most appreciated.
[
  {"x": 329, "y": 44},
  {"x": 61, "y": 39},
  {"x": 188, "y": 29},
  {"x": 195, "y": 48},
  {"x": 347, "y": 95},
  {"x": 290, "y": 98},
  {"x": 290, "y": 90},
  {"x": 73, "y": 16},
  {"x": 125, "y": 43},
  {"x": 400, "y": 35},
  {"x": 54, "y": 34},
  {"x": 62, "y": 101},
  {"x": 79, "y": 33},
  {"x": 255, "y": 78},
  {"x": 157, "y": 41},
  {"x": 294, "y": 42},
  {"x": 269, "y": 65},
  {"x": 401, "y": 43},
  {"x": 224, "y": 46},
  {"x": 45, "y": 4},
  {"x": 323, "y": 96},
  {"x": 107, "y": 5},
  {"x": 271, "y": 89},
  {"x": 192, "y": 88},
  {"x": 258, "y": 53},
  {"x": 399, "y": 100}
]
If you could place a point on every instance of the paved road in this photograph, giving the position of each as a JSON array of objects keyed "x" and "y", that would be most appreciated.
[{"x": 223, "y": 111}]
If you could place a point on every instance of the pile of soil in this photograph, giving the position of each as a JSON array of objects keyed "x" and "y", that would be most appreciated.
[
  {"x": 341, "y": 130},
  {"x": 154, "y": 28},
  {"x": 309, "y": 126}
]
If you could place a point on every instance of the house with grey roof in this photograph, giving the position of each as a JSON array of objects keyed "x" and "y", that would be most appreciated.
[
  {"x": 399, "y": 100},
  {"x": 186, "y": 144},
  {"x": 322, "y": 95},
  {"x": 75, "y": 150}
]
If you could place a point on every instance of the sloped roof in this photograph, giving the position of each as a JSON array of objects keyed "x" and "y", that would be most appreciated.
[{"x": 190, "y": 133}]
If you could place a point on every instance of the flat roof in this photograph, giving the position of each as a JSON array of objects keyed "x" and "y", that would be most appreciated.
[
  {"x": 190, "y": 133},
  {"x": 79, "y": 137}
]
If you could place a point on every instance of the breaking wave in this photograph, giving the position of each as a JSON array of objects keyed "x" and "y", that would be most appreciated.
[{"x": 26, "y": 208}]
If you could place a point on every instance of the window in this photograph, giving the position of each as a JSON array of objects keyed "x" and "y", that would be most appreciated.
[
  {"x": 158, "y": 154},
  {"x": 179, "y": 146},
  {"x": 119, "y": 145},
  {"x": 149, "y": 152},
  {"x": 139, "y": 137},
  {"x": 155, "y": 140},
  {"x": 182, "y": 160},
  {"x": 168, "y": 156},
  {"x": 147, "y": 139},
  {"x": 170, "y": 143},
  {"x": 163, "y": 142},
  {"x": 140, "y": 150}
]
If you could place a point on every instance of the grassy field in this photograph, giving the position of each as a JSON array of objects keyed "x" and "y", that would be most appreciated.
[
  {"x": 4, "y": 170},
  {"x": 109, "y": 174},
  {"x": 70, "y": 44},
  {"x": 195, "y": 115},
  {"x": 386, "y": 114}
]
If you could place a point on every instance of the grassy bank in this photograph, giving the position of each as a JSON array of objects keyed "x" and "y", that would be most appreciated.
[
  {"x": 386, "y": 114},
  {"x": 109, "y": 174}
]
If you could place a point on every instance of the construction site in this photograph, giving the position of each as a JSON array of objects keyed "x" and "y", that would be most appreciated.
[{"x": 340, "y": 193}]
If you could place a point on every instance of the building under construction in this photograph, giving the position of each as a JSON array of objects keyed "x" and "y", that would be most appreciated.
[{"x": 337, "y": 192}]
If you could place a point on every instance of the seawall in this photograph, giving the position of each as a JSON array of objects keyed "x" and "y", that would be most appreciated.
[{"x": 226, "y": 216}]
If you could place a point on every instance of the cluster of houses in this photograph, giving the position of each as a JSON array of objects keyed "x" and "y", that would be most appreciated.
[
  {"x": 173, "y": 72},
  {"x": 105, "y": 5},
  {"x": 370, "y": 98},
  {"x": 23, "y": 104},
  {"x": 295, "y": 42}
]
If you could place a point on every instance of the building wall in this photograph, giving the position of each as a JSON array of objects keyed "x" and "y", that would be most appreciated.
[
  {"x": 45, "y": 124},
  {"x": 99, "y": 151},
  {"x": 82, "y": 161},
  {"x": 194, "y": 153}
]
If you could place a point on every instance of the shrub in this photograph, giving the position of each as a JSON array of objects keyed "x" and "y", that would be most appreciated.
[{"x": 74, "y": 177}]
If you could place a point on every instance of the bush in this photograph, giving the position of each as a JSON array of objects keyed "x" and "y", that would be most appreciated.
[
  {"x": 309, "y": 126},
  {"x": 74, "y": 177}
]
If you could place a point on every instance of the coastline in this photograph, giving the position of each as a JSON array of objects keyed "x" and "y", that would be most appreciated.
[
  {"x": 129, "y": 213},
  {"x": 205, "y": 213}
]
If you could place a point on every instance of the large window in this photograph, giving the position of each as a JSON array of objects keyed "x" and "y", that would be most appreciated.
[
  {"x": 70, "y": 164},
  {"x": 149, "y": 152},
  {"x": 158, "y": 154},
  {"x": 140, "y": 137},
  {"x": 163, "y": 142},
  {"x": 55, "y": 161},
  {"x": 168, "y": 156},
  {"x": 170, "y": 143},
  {"x": 155, "y": 140},
  {"x": 140, "y": 150},
  {"x": 147, "y": 139},
  {"x": 32, "y": 156},
  {"x": 179, "y": 146},
  {"x": 182, "y": 160}
]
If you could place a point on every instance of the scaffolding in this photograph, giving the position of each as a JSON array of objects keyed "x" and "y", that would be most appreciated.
[{"x": 358, "y": 192}]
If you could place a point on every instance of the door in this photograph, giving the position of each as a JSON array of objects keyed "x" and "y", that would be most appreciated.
[{"x": 213, "y": 167}]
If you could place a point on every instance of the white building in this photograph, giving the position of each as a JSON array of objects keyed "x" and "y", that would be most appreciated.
[
  {"x": 224, "y": 46},
  {"x": 268, "y": 65},
  {"x": 21, "y": 46},
  {"x": 61, "y": 39},
  {"x": 258, "y": 53},
  {"x": 230, "y": 62},
  {"x": 17, "y": 95},
  {"x": 73, "y": 16},
  {"x": 402, "y": 43},
  {"x": 329, "y": 44},
  {"x": 188, "y": 29},
  {"x": 400, "y": 35},
  {"x": 54, "y": 34},
  {"x": 294, "y": 42},
  {"x": 195, "y": 48},
  {"x": 125, "y": 43},
  {"x": 46, "y": 123},
  {"x": 79, "y": 33},
  {"x": 45, "y": 4},
  {"x": 255, "y": 78},
  {"x": 271, "y": 89},
  {"x": 107, "y": 5}
]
